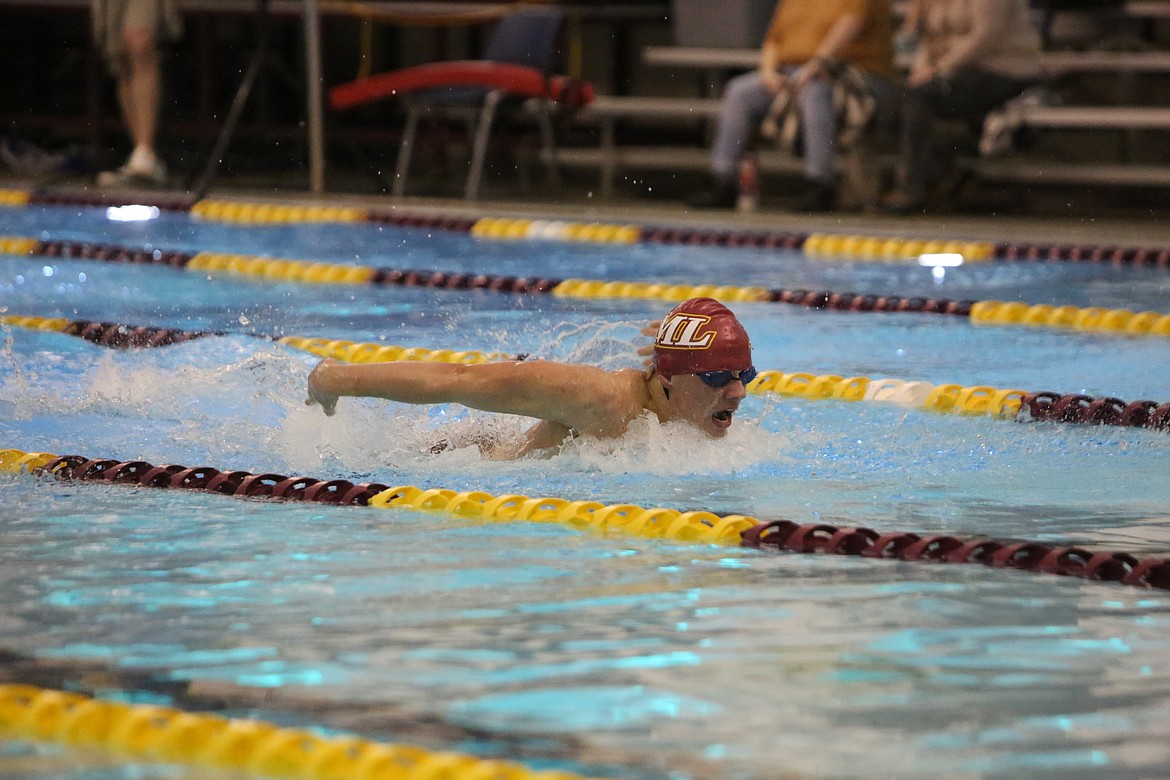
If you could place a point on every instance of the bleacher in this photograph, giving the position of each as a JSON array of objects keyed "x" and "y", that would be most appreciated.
[
  {"x": 1108, "y": 127},
  {"x": 1092, "y": 127}
]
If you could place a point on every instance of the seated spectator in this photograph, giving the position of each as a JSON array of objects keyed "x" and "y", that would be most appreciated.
[
  {"x": 806, "y": 44},
  {"x": 971, "y": 56}
]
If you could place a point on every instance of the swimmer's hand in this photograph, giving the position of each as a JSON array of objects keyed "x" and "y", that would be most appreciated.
[
  {"x": 647, "y": 350},
  {"x": 317, "y": 395}
]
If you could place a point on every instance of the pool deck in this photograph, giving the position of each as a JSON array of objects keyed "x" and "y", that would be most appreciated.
[{"x": 1136, "y": 226}]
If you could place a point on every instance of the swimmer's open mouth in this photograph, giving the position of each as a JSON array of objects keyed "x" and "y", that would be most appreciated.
[{"x": 723, "y": 416}]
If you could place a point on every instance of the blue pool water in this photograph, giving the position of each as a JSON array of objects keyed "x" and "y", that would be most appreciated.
[{"x": 639, "y": 658}]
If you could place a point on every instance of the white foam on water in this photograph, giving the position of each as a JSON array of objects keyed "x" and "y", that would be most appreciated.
[{"x": 675, "y": 449}]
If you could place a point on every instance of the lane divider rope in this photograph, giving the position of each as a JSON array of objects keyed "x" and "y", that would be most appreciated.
[
  {"x": 268, "y": 213},
  {"x": 1091, "y": 319},
  {"x": 367, "y": 352},
  {"x": 693, "y": 526},
  {"x": 976, "y": 400},
  {"x": 119, "y": 336},
  {"x": 827, "y": 246},
  {"x": 944, "y": 398},
  {"x": 14, "y": 198},
  {"x": 555, "y": 230},
  {"x": 156, "y": 733}
]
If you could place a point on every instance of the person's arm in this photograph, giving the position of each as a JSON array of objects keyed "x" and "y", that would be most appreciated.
[
  {"x": 843, "y": 32},
  {"x": 769, "y": 67},
  {"x": 988, "y": 18},
  {"x": 922, "y": 69},
  {"x": 911, "y": 18},
  {"x": 584, "y": 398}
]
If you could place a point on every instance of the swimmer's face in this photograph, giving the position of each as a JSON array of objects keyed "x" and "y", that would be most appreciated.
[{"x": 710, "y": 409}]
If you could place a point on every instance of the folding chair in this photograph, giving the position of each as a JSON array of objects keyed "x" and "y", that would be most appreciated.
[{"x": 516, "y": 64}]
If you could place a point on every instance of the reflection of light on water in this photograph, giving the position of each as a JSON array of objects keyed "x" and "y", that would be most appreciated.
[
  {"x": 131, "y": 213},
  {"x": 939, "y": 262}
]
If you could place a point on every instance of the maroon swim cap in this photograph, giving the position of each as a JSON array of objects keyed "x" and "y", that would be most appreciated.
[{"x": 701, "y": 335}]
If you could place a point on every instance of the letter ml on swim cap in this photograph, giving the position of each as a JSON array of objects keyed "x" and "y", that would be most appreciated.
[{"x": 701, "y": 335}]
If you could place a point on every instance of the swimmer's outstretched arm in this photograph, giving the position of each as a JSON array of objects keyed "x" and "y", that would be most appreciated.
[{"x": 584, "y": 398}]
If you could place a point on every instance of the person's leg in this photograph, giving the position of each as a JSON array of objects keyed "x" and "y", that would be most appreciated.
[
  {"x": 967, "y": 94},
  {"x": 139, "y": 80},
  {"x": 138, "y": 88},
  {"x": 887, "y": 102},
  {"x": 973, "y": 93},
  {"x": 820, "y": 129},
  {"x": 745, "y": 101},
  {"x": 917, "y": 132}
]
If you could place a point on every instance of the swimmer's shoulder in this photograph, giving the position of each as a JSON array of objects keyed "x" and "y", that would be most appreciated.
[{"x": 635, "y": 395}]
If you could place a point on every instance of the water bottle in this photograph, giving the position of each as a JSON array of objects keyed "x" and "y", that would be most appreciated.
[{"x": 749, "y": 184}]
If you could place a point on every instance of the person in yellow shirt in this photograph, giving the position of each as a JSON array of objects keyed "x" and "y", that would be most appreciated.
[{"x": 806, "y": 42}]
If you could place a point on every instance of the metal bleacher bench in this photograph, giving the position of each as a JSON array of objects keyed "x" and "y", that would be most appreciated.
[
  {"x": 606, "y": 111},
  {"x": 1114, "y": 117},
  {"x": 1084, "y": 118},
  {"x": 1052, "y": 63}
]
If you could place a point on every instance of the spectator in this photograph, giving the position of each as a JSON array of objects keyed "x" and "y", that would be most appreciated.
[
  {"x": 128, "y": 33},
  {"x": 971, "y": 56},
  {"x": 806, "y": 42}
]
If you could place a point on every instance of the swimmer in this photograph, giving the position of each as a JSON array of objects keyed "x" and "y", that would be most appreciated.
[{"x": 701, "y": 364}]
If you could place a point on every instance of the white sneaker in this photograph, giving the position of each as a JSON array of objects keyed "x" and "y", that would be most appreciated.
[{"x": 139, "y": 170}]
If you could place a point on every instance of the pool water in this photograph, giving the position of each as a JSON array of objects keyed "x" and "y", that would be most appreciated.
[{"x": 629, "y": 657}]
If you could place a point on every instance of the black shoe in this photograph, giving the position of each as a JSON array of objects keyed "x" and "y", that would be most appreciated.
[
  {"x": 950, "y": 186},
  {"x": 722, "y": 195},
  {"x": 819, "y": 196},
  {"x": 900, "y": 204}
]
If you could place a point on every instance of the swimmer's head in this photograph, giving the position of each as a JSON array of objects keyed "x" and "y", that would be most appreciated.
[
  {"x": 701, "y": 335},
  {"x": 703, "y": 358}
]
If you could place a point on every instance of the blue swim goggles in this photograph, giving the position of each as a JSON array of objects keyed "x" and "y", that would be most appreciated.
[{"x": 719, "y": 379}]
